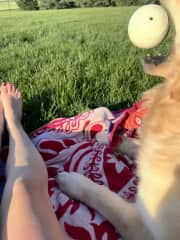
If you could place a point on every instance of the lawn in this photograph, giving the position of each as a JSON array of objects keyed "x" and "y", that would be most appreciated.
[
  {"x": 68, "y": 61},
  {"x": 11, "y": 5}
]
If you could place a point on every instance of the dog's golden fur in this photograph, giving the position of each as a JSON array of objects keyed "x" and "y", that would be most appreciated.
[{"x": 156, "y": 214}]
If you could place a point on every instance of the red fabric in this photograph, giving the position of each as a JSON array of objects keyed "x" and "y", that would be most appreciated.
[{"x": 69, "y": 144}]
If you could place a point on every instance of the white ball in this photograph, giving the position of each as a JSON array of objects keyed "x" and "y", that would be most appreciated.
[{"x": 148, "y": 26}]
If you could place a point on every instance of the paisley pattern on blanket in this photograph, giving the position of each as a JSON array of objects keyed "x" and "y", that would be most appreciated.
[{"x": 69, "y": 144}]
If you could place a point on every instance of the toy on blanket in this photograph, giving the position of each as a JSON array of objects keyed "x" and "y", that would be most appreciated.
[
  {"x": 113, "y": 136},
  {"x": 148, "y": 26}
]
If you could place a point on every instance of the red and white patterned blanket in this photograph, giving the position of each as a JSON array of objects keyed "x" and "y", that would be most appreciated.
[{"x": 69, "y": 144}]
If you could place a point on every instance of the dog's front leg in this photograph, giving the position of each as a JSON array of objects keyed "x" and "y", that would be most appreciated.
[
  {"x": 129, "y": 146},
  {"x": 123, "y": 215}
]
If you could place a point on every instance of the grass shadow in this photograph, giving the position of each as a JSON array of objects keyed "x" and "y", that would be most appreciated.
[
  {"x": 118, "y": 106},
  {"x": 34, "y": 110}
]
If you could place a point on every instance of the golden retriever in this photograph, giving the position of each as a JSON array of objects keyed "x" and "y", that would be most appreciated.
[{"x": 156, "y": 212}]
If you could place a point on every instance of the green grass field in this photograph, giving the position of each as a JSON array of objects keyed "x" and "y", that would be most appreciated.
[
  {"x": 11, "y": 5},
  {"x": 68, "y": 61}
]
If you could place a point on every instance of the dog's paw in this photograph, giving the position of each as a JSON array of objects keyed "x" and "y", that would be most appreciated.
[
  {"x": 129, "y": 147},
  {"x": 73, "y": 184}
]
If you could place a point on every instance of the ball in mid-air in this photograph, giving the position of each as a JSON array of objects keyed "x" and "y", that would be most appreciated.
[{"x": 148, "y": 26}]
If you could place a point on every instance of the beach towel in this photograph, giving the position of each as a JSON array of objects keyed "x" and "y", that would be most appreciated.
[{"x": 69, "y": 144}]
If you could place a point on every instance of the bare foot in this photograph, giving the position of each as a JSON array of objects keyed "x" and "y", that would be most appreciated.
[{"x": 11, "y": 102}]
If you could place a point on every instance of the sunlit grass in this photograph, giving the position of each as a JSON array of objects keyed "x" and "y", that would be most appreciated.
[
  {"x": 67, "y": 61},
  {"x": 8, "y": 5}
]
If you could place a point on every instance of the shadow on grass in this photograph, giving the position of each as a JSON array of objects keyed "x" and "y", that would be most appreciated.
[
  {"x": 39, "y": 105},
  {"x": 34, "y": 110},
  {"x": 118, "y": 106}
]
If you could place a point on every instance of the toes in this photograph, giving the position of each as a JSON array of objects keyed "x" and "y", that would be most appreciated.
[
  {"x": 18, "y": 94},
  {"x": 3, "y": 88},
  {"x": 10, "y": 88},
  {"x": 13, "y": 88}
]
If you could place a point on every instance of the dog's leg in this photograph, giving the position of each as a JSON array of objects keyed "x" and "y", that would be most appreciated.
[
  {"x": 129, "y": 146},
  {"x": 123, "y": 215}
]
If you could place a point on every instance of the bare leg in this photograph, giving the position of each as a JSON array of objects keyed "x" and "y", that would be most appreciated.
[{"x": 26, "y": 212}]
